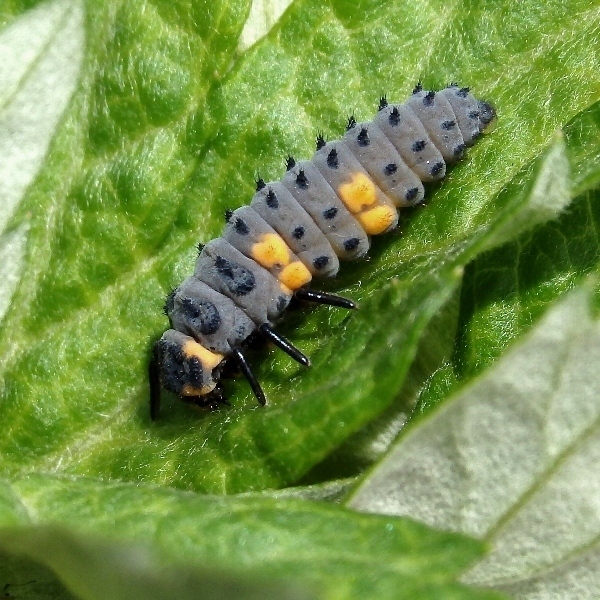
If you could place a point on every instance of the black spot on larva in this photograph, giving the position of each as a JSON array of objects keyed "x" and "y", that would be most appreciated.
[
  {"x": 260, "y": 184},
  {"x": 417, "y": 88},
  {"x": 290, "y": 163},
  {"x": 436, "y": 169},
  {"x": 200, "y": 247},
  {"x": 298, "y": 233},
  {"x": 282, "y": 302},
  {"x": 463, "y": 92},
  {"x": 351, "y": 244},
  {"x": 330, "y": 213},
  {"x": 202, "y": 314},
  {"x": 411, "y": 194},
  {"x": 320, "y": 141},
  {"x": 447, "y": 125},
  {"x": 228, "y": 215},
  {"x": 240, "y": 227},
  {"x": 474, "y": 114},
  {"x": 382, "y": 103},
  {"x": 428, "y": 98},
  {"x": 363, "y": 137},
  {"x": 418, "y": 145},
  {"x": 320, "y": 262},
  {"x": 452, "y": 84},
  {"x": 459, "y": 150},
  {"x": 394, "y": 117},
  {"x": 169, "y": 302},
  {"x": 271, "y": 200},
  {"x": 332, "y": 159},
  {"x": 390, "y": 169},
  {"x": 302, "y": 179},
  {"x": 239, "y": 280},
  {"x": 351, "y": 123}
]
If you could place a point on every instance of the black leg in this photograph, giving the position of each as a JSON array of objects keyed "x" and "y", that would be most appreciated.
[
  {"x": 249, "y": 375},
  {"x": 154, "y": 379},
  {"x": 267, "y": 331},
  {"x": 324, "y": 298}
]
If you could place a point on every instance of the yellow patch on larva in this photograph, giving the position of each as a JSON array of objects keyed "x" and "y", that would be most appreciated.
[
  {"x": 378, "y": 219},
  {"x": 358, "y": 194},
  {"x": 294, "y": 276},
  {"x": 271, "y": 251},
  {"x": 209, "y": 360}
]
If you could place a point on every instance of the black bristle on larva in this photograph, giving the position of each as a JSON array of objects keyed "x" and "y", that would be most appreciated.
[
  {"x": 394, "y": 117},
  {"x": 301, "y": 179},
  {"x": 363, "y": 137},
  {"x": 452, "y": 84},
  {"x": 200, "y": 247},
  {"x": 169, "y": 302},
  {"x": 272, "y": 201},
  {"x": 314, "y": 216},
  {"x": 240, "y": 227},
  {"x": 428, "y": 98},
  {"x": 332, "y": 159}
]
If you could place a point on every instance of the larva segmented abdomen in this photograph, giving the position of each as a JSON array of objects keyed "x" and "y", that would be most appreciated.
[{"x": 321, "y": 211}]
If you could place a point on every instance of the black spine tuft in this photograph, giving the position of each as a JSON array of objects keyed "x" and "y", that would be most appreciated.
[
  {"x": 382, "y": 103},
  {"x": 320, "y": 141},
  {"x": 463, "y": 92},
  {"x": 418, "y": 88},
  {"x": 290, "y": 163},
  {"x": 418, "y": 145},
  {"x": 200, "y": 247},
  {"x": 240, "y": 227},
  {"x": 260, "y": 184},
  {"x": 447, "y": 125},
  {"x": 302, "y": 179},
  {"x": 390, "y": 169},
  {"x": 272, "y": 201},
  {"x": 228, "y": 215},
  {"x": 169, "y": 301},
  {"x": 351, "y": 123},
  {"x": 363, "y": 137},
  {"x": 428, "y": 98},
  {"x": 332, "y": 159},
  {"x": 394, "y": 117}
]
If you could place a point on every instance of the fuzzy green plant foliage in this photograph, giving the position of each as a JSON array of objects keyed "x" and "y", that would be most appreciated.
[{"x": 126, "y": 129}]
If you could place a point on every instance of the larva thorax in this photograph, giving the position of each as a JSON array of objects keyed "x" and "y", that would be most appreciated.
[{"x": 321, "y": 211}]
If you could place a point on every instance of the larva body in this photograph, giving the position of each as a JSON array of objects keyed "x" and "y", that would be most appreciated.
[{"x": 320, "y": 212}]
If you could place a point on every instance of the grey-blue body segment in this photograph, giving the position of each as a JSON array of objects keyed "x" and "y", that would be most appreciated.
[{"x": 230, "y": 296}]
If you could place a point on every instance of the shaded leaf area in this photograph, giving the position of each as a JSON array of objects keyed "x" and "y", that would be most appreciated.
[
  {"x": 512, "y": 460},
  {"x": 157, "y": 174},
  {"x": 320, "y": 547},
  {"x": 96, "y": 570},
  {"x": 24, "y": 579}
]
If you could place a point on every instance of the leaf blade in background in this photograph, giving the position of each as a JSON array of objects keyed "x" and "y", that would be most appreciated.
[
  {"x": 322, "y": 547},
  {"x": 511, "y": 460}
]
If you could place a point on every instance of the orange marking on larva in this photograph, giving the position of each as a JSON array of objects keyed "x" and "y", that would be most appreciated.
[
  {"x": 209, "y": 360},
  {"x": 358, "y": 193},
  {"x": 294, "y": 276},
  {"x": 271, "y": 251},
  {"x": 377, "y": 220}
]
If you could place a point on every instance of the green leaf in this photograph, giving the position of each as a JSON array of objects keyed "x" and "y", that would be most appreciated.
[
  {"x": 341, "y": 553},
  {"x": 169, "y": 144},
  {"x": 512, "y": 460}
]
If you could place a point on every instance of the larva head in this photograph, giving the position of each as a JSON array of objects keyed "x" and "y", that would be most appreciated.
[{"x": 185, "y": 367}]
